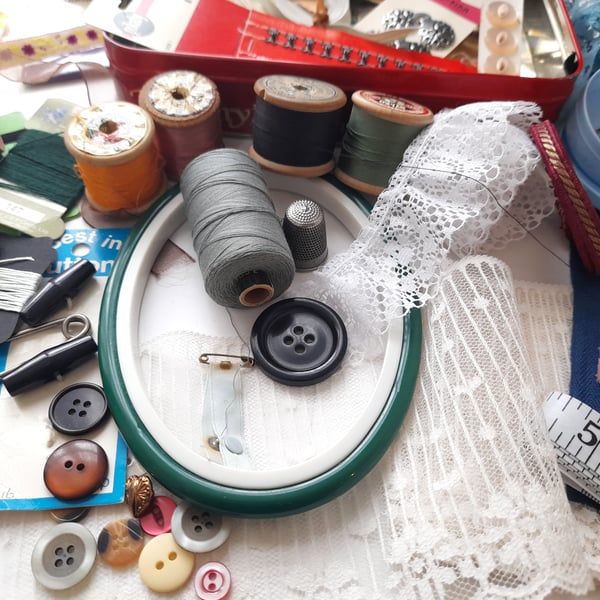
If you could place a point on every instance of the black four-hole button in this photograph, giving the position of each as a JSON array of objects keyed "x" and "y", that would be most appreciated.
[
  {"x": 298, "y": 341},
  {"x": 78, "y": 408}
]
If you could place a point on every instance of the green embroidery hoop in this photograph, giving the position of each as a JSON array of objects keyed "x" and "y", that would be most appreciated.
[{"x": 192, "y": 478}]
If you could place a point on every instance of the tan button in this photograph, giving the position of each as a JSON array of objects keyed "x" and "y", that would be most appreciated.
[
  {"x": 502, "y": 14},
  {"x": 501, "y": 42},
  {"x": 164, "y": 566},
  {"x": 75, "y": 469},
  {"x": 120, "y": 543}
]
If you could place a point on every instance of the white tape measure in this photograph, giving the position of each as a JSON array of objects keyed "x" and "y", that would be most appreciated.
[{"x": 574, "y": 429}]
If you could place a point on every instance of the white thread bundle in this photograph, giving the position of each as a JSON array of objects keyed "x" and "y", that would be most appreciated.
[
  {"x": 16, "y": 287},
  {"x": 242, "y": 251}
]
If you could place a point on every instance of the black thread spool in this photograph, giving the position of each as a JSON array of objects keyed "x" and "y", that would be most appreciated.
[{"x": 297, "y": 124}]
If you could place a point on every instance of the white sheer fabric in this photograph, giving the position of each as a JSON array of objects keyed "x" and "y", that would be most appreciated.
[{"x": 467, "y": 503}]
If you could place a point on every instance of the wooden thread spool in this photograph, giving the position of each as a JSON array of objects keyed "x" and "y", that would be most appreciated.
[
  {"x": 379, "y": 130},
  {"x": 113, "y": 147},
  {"x": 185, "y": 108},
  {"x": 297, "y": 124}
]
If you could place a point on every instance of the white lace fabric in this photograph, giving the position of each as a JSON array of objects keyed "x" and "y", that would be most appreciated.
[
  {"x": 470, "y": 183},
  {"x": 283, "y": 425},
  {"x": 467, "y": 503}
]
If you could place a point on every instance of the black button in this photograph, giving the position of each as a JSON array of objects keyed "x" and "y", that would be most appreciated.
[
  {"x": 298, "y": 341},
  {"x": 78, "y": 408}
]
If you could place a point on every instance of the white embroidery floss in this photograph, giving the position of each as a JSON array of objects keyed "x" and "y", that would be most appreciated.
[
  {"x": 242, "y": 252},
  {"x": 185, "y": 108},
  {"x": 16, "y": 286}
]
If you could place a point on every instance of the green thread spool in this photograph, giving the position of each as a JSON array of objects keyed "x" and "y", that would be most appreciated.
[{"x": 379, "y": 130}]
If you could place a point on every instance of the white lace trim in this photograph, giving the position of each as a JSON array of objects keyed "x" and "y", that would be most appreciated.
[{"x": 470, "y": 183}]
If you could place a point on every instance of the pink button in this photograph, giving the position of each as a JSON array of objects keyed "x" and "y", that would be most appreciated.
[
  {"x": 212, "y": 581},
  {"x": 158, "y": 518}
]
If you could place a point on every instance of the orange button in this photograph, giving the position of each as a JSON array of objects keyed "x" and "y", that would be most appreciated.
[{"x": 76, "y": 469}]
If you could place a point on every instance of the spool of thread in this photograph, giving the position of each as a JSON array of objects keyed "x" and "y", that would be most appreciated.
[
  {"x": 242, "y": 252},
  {"x": 297, "y": 123},
  {"x": 185, "y": 108},
  {"x": 113, "y": 147},
  {"x": 378, "y": 132}
]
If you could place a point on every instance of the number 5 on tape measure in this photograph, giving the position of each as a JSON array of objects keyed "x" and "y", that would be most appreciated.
[{"x": 574, "y": 429}]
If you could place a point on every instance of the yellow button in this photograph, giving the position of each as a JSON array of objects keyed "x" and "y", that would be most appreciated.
[{"x": 164, "y": 566}]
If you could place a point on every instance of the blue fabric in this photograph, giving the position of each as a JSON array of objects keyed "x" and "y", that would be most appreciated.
[
  {"x": 585, "y": 344},
  {"x": 585, "y": 337}
]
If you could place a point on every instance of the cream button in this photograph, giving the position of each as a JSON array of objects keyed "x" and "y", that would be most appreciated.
[
  {"x": 501, "y": 42},
  {"x": 164, "y": 565},
  {"x": 199, "y": 529},
  {"x": 63, "y": 556},
  {"x": 502, "y": 14}
]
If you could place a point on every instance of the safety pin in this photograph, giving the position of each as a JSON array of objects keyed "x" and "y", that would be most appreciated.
[
  {"x": 247, "y": 361},
  {"x": 65, "y": 324},
  {"x": 53, "y": 362}
]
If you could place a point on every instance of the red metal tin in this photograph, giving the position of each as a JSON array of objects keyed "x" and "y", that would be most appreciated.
[{"x": 235, "y": 47}]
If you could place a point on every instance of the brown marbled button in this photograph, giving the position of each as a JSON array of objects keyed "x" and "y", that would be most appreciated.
[
  {"x": 76, "y": 469},
  {"x": 121, "y": 542}
]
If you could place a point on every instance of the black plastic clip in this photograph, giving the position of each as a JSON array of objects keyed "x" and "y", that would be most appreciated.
[
  {"x": 52, "y": 363},
  {"x": 58, "y": 292}
]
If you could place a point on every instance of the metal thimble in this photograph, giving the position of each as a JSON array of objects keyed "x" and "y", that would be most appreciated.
[{"x": 304, "y": 229}]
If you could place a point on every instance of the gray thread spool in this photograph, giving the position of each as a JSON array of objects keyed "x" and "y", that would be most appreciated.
[{"x": 243, "y": 255}]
